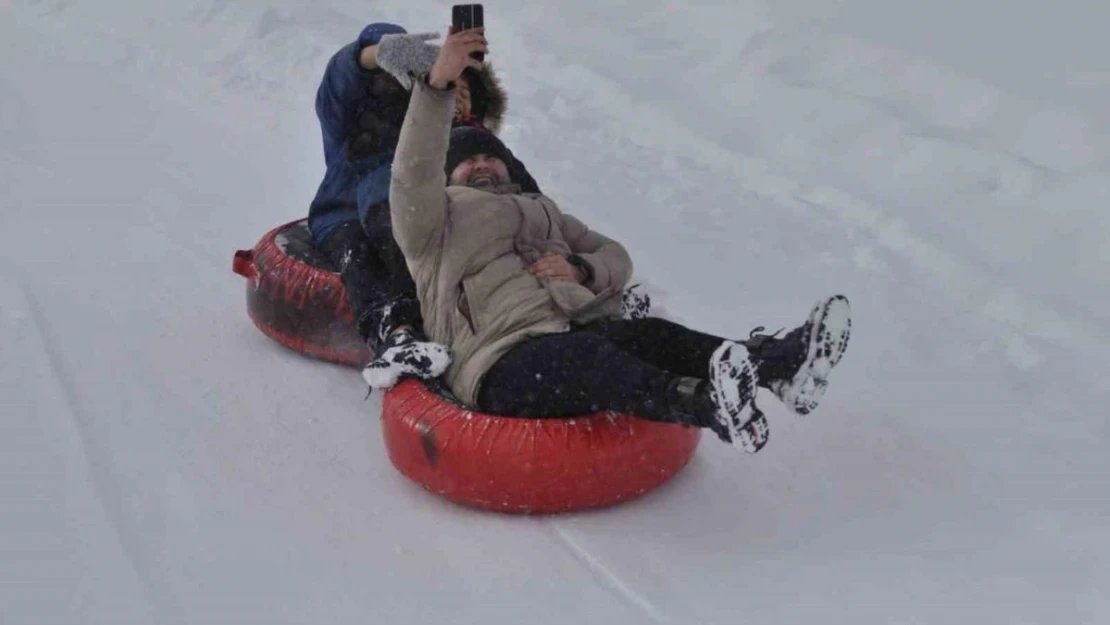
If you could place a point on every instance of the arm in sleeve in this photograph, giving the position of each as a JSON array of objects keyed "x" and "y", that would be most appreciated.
[
  {"x": 606, "y": 261},
  {"x": 418, "y": 186},
  {"x": 344, "y": 81}
]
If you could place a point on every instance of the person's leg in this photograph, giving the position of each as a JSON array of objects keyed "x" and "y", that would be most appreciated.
[
  {"x": 577, "y": 373},
  {"x": 402, "y": 308},
  {"x": 664, "y": 344},
  {"x": 400, "y": 347},
  {"x": 794, "y": 367},
  {"x": 379, "y": 287},
  {"x": 361, "y": 272},
  {"x": 573, "y": 374}
]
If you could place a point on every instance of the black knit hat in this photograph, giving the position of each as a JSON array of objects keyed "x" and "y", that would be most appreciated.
[{"x": 467, "y": 141}]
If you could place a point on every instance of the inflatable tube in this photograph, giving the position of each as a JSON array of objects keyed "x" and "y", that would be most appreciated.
[
  {"x": 295, "y": 297},
  {"x": 506, "y": 464},
  {"x": 529, "y": 466}
]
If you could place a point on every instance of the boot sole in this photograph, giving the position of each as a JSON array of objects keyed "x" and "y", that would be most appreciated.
[
  {"x": 830, "y": 329},
  {"x": 732, "y": 378}
]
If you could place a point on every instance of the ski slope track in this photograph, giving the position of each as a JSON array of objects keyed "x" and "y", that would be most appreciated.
[{"x": 945, "y": 165}]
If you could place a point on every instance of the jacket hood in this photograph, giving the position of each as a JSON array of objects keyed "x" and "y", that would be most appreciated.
[
  {"x": 379, "y": 117},
  {"x": 488, "y": 100}
]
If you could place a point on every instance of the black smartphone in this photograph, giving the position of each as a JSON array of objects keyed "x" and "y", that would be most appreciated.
[{"x": 467, "y": 16}]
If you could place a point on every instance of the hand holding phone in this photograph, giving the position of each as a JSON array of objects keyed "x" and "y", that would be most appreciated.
[
  {"x": 456, "y": 55},
  {"x": 466, "y": 17}
]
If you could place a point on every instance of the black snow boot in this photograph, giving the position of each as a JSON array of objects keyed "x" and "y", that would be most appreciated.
[{"x": 796, "y": 366}]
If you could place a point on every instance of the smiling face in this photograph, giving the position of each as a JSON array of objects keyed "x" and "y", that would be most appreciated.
[{"x": 480, "y": 170}]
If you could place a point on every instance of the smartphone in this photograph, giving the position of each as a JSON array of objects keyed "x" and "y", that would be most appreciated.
[{"x": 467, "y": 16}]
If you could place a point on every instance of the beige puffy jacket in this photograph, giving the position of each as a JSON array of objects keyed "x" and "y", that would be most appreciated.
[{"x": 469, "y": 251}]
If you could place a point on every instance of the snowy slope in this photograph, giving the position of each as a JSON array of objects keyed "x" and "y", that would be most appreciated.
[{"x": 946, "y": 166}]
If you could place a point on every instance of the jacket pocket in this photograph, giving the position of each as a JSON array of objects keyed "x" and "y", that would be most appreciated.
[{"x": 581, "y": 304}]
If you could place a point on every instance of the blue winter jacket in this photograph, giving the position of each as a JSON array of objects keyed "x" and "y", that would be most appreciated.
[{"x": 350, "y": 188}]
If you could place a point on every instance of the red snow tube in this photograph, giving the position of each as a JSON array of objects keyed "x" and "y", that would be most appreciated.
[
  {"x": 296, "y": 298},
  {"x": 529, "y": 466},
  {"x": 507, "y": 464}
]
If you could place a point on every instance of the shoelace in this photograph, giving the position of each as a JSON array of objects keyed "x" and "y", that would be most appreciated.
[
  {"x": 772, "y": 360},
  {"x": 755, "y": 341}
]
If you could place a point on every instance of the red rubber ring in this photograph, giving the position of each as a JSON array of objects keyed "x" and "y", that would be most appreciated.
[
  {"x": 298, "y": 304},
  {"x": 507, "y": 464},
  {"x": 529, "y": 466}
]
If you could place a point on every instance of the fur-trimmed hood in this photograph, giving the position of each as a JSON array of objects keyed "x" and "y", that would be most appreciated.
[
  {"x": 489, "y": 103},
  {"x": 488, "y": 100},
  {"x": 383, "y": 104}
]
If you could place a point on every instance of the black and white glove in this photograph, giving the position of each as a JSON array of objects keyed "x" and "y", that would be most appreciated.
[
  {"x": 403, "y": 354},
  {"x": 407, "y": 56}
]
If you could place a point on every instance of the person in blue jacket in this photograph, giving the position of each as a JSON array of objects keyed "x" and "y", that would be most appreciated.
[{"x": 361, "y": 103}]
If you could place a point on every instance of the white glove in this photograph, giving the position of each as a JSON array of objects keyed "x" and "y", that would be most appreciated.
[{"x": 407, "y": 56}]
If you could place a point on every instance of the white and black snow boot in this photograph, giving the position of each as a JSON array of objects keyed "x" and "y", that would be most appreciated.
[
  {"x": 732, "y": 387},
  {"x": 725, "y": 403},
  {"x": 404, "y": 354},
  {"x": 796, "y": 366}
]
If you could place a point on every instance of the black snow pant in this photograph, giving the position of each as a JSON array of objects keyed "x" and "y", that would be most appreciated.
[
  {"x": 379, "y": 287},
  {"x": 627, "y": 366}
]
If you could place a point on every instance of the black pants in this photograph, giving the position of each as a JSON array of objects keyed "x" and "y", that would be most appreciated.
[
  {"x": 379, "y": 286},
  {"x": 623, "y": 365}
]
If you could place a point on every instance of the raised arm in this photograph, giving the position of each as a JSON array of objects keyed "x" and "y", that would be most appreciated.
[
  {"x": 418, "y": 188},
  {"x": 346, "y": 78},
  {"x": 417, "y": 191}
]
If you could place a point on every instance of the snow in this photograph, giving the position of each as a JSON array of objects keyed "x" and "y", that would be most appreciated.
[{"x": 945, "y": 165}]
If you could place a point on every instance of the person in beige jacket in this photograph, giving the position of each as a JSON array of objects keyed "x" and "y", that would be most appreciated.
[{"x": 527, "y": 297}]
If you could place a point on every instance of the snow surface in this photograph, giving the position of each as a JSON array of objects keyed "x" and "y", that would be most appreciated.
[{"x": 945, "y": 164}]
